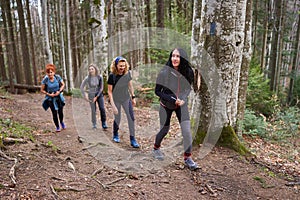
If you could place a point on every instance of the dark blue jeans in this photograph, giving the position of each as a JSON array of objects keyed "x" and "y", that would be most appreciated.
[{"x": 100, "y": 102}]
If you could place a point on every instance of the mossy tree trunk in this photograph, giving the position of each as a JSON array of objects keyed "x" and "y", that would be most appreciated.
[{"x": 218, "y": 41}]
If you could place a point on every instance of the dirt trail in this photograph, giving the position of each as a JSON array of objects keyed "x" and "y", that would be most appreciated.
[{"x": 44, "y": 169}]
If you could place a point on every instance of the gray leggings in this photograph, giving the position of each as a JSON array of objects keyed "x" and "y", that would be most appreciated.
[
  {"x": 182, "y": 115},
  {"x": 127, "y": 106}
]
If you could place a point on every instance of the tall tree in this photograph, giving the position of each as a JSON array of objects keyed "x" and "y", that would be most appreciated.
[
  {"x": 246, "y": 57},
  {"x": 32, "y": 41},
  {"x": 294, "y": 63},
  {"x": 12, "y": 47},
  {"x": 3, "y": 75},
  {"x": 46, "y": 31},
  {"x": 221, "y": 38},
  {"x": 24, "y": 43},
  {"x": 160, "y": 14},
  {"x": 275, "y": 45}
]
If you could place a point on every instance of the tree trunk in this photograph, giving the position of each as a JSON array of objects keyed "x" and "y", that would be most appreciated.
[
  {"x": 24, "y": 43},
  {"x": 160, "y": 14},
  {"x": 32, "y": 55},
  {"x": 69, "y": 49},
  {"x": 221, "y": 31},
  {"x": 8, "y": 45},
  {"x": 265, "y": 39},
  {"x": 246, "y": 58},
  {"x": 46, "y": 31},
  {"x": 275, "y": 45},
  {"x": 3, "y": 76},
  {"x": 19, "y": 73},
  {"x": 61, "y": 6},
  {"x": 294, "y": 63}
]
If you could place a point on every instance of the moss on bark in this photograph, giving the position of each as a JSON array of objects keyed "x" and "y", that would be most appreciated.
[{"x": 227, "y": 139}]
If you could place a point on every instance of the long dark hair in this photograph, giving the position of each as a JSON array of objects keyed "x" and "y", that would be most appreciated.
[{"x": 185, "y": 67}]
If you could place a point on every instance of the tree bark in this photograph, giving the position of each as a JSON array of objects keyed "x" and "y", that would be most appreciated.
[
  {"x": 275, "y": 45},
  {"x": 221, "y": 35},
  {"x": 160, "y": 14},
  {"x": 46, "y": 38},
  {"x": 294, "y": 64},
  {"x": 32, "y": 50},
  {"x": 24, "y": 43}
]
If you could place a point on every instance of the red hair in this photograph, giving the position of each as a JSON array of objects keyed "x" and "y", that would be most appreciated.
[{"x": 50, "y": 67}]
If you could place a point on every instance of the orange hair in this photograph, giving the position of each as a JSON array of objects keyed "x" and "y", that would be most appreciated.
[{"x": 50, "y": 67}]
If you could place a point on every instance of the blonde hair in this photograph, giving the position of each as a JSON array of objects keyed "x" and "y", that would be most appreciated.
[{"x": 114, "y": 63}]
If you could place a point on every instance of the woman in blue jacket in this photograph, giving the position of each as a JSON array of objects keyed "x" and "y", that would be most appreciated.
[{"x": 52, "y": 87}]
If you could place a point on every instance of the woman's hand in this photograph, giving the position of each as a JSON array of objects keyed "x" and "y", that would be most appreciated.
[
  {"x": 133, "y": 102},
  {"x": 179, "y": 102},
  {"x": 95, "y": 99}
]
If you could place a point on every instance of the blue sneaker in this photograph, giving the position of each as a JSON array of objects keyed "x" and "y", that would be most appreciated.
[
  {"x": 116, "y": 138},
  {"x": 157, "y": 154},
  {"x": 63, "y": 126},
  {"x": 133, "y": 142},
  {"x": 191, "y": 164},
  {"x": 94, "y": 126},
  {"x": 57, "y": 129},
  {"x": 104, "y": 126}
]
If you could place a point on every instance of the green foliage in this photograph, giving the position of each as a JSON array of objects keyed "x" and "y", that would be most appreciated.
[
  {"x": 259, "y": 97},
  {"x": 296, "y": 92},
  {"x": 282, "y": 125},
  {"x": 253, "y": 124},
  {"x": 285, "y": 123},
  {"x": 76, "y": 93},
  {"x": 9, "y": 128},
  {"x": 159, "y": 55}
]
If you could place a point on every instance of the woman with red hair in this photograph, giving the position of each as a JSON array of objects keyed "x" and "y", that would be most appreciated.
[{"x": 52, "y": 86}]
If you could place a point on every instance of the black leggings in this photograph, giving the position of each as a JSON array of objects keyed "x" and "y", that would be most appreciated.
[
  {"x": 55, "y": 112},
  {"x": 182, "y": 115}
]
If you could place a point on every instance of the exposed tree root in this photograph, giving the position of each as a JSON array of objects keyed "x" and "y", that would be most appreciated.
[{"x": 12, "y": 169}]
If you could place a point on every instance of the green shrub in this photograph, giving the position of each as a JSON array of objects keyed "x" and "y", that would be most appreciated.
[
  {"x": 259, "y": 97},
  {"x": 253, "y": 124},
  {"x": 285, "y": 123}
]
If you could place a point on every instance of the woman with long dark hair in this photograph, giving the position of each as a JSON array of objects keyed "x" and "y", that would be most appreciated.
[{"x": 173, "y": 85}]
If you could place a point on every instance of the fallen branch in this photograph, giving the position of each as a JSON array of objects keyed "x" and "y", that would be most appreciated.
[
  {"x": 94, "y": 145},
  {"x": 212, "y": 191},
  {"x": 9, "y": 140},
  {"x": 293, "y": 183},
  {"x": 54, "y": 192},
  {"x": 12, "y": 169},
  {"x": 97, "y": 171},
  {"x": 117, "y": 180},
  {"x": 103, "y": 185}
]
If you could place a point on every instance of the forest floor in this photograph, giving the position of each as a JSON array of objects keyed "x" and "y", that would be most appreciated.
[{"x": 81, "y": 163}]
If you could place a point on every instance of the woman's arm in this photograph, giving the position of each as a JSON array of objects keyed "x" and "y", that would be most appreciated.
[
  {"x": 111, "y": 99},
  {"x": 131, "y": 91}
]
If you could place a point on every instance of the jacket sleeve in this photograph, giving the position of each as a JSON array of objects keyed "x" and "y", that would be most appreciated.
[
  {"x": 160, "y": 89},
  {"x": 82, "y": 86},
  {"x": 100, "y": 86}
]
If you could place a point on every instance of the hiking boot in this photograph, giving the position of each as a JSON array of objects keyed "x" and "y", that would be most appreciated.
[
  {"x": 94, "y": 126},
  {"x": 190, "y": 163},
  {"x": 57, "y": 129},
  {"x": 63, "y": 126},
  {"x": 116, "y": 138},
  {"x": 104, "y": 126},
  {"x": 133, "y": 142},
  {"x": 157, "y": 154}
]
